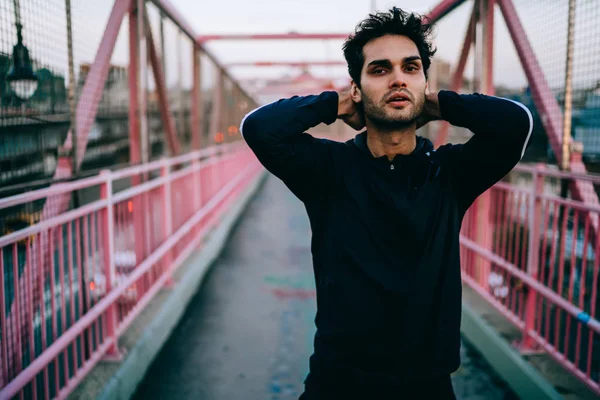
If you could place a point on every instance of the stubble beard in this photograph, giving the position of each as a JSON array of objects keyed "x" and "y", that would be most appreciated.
[{"x": 379, "y": 116}]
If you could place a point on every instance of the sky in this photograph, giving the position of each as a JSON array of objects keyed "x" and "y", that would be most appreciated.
[
  {"x": 544, "y": 22},
  {"x": 277, "y": 16}
]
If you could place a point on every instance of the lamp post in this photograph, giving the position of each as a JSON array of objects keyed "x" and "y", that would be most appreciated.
[{"x": 23, "y": 81}]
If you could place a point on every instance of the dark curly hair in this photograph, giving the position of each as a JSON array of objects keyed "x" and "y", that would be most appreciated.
[{"x": 394, "y": 22}]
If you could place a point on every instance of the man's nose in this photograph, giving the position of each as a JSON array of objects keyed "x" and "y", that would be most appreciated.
[{"x": 398, "y": 79}]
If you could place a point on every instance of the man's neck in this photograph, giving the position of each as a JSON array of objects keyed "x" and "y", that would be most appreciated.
[{"x": 389, "y": 144}]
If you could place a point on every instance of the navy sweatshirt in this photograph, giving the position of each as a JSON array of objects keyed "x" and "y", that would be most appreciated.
[{"x": 385, "y": 234}]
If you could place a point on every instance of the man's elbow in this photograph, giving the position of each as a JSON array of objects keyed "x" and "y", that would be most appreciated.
[
  {"x": 248, "y": 126},
  {"x": 523, "y": 127},
  {"x": 257, "y": 121},
  {"x": 525, "y": 120}
]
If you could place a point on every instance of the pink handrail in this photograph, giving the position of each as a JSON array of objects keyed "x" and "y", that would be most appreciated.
[{"x": 112, "y": 297}]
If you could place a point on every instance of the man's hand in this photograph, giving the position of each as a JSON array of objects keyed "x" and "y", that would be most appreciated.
[
  {"x": 431, "y": 110},
  {"x": 350, "y": 112}
]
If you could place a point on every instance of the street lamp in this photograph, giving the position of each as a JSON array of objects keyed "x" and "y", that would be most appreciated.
[{"x": 21, "y": 77}]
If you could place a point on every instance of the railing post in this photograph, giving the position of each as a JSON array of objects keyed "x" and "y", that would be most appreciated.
[
  {"x": 533, "y": 256},
  {"x": 197, "y": 100},
  {"x": 196, "y": 184},
  {"x": 196, "y": 199},
  {"x": 137, "y": 113},
  {"x": 481, "y": 221},
  {"x": 108, "y": 242},
  {"x": 167, "y": 215}
]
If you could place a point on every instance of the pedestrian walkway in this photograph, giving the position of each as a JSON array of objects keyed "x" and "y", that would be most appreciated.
[{"x": 248, "y": 332}]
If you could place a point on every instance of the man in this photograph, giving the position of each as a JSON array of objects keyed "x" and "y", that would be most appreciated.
[{"x": 385, "y": 210}]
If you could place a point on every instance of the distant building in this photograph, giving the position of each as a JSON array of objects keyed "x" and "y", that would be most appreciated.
[{"x": 115, "y": 96}]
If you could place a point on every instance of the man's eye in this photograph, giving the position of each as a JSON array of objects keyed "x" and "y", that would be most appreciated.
[
  {"x": 411, "y": 68},
  {"x": 378, "y": 71}
]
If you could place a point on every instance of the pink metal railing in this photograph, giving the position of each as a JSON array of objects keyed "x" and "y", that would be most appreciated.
[
  {"x": 71, "y": 284},
  {"x": 92, "y": 257},
  {"x": 543, "y": 268}
]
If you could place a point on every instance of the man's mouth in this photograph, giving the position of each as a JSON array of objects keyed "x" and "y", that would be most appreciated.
[{"x": 398, "y": 99}]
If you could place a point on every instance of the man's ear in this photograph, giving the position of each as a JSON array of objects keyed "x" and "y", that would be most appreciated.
[{"x": 355, "y": 92}]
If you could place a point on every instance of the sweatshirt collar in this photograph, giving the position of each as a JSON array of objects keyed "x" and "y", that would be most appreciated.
[{"x": 424, "y": 146}]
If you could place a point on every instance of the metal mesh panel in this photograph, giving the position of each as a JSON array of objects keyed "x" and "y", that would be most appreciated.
[
  {"x": 33, "y": 130},
  {"x": 586, "y": 85},
  {"x": 546, "y": 28},
  {"x": 34, "y": 116},
  {"x": 108, "y": 135},
  {"x": 158, "y": 145}
]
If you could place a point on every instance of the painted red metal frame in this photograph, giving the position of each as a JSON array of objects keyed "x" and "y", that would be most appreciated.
[
  {"x": 272, "y": 36},
  {"x": 134, "y": 128},
  {"x": 545, "y": 102},
  {"x": 547, "y": 105},
  {"x": 197, "y": 102},
  {"x": 444, "y": 8},
  {"x": 135, "y": 103},
  {"x": 286, "y": 63},
  {"x": 246, "y": 168},
  {"x": 179, "y": 19},
  {"x": 488, "y": 67},
  {"x": 527, "y": 265},
  {"x": 95, "y": 81},
  {"x": 439, "y": 11},
  {"x": 161, "y": 88},
  {"x": 215, "y": 118},
  {"x": 457, "y": 76}
]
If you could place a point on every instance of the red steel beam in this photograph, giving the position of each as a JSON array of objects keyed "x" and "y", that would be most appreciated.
[
  {"x": 217, "y": 107},
  {"x": 444, "y": 8},
  {"x": 197, "y": 101},
  {"x": 161, "y": 88},
  {"x": 93, "y": 87},
  {"x": 179, "y": 19},
  {"x": 547, "y": 105},
  {"x": 176, "y": 16},
  {"x": 314, "y": 87},
  {"x": 291, "y": 81},
  {"x": 457, "y": 77},
  {"x": 137, "y": 108},
  {"x": 285, "y": 63},
  {"x": 272, "y": 36},
  {"x": 293, "y": 92},
  {"x": 488, "y": 61},
  {"x": 134, "y": 102},
  {"x": 439, "y": 11}
]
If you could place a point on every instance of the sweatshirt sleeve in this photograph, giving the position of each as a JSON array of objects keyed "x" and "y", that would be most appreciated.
[
  {"x": 276, "y": 134},
  {"x": 502, "y": 129}
]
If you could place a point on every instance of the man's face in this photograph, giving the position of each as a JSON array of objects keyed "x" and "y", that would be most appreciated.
[{"x": 392, "y": 82}]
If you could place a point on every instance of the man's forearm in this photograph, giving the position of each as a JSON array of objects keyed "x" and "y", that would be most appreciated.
[
  {"x": 288, "y": 117},
  {"x": 349, "y": 111},
  {"x": 431, "y": 110},
  {"x": 489, "y": 116},
  {"x": 501, "y": 130},
  {"x": 276, "y": 135}
]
